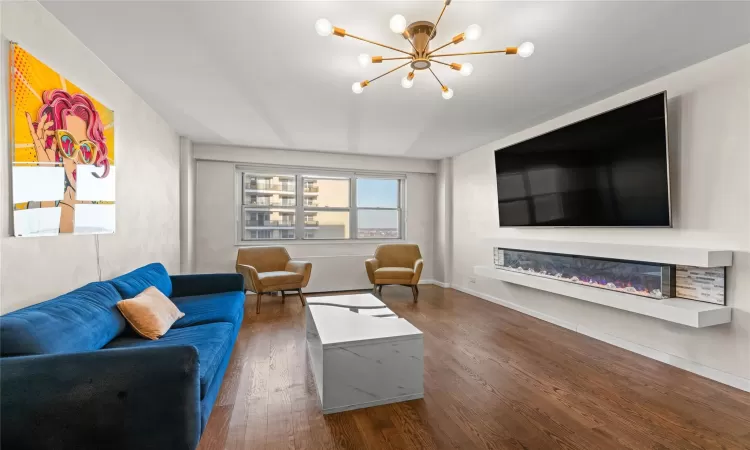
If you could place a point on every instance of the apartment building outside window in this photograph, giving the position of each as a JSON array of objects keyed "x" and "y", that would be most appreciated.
[
  {"x": 268, "y": 207},
  {"x": 333, "y": 205}
]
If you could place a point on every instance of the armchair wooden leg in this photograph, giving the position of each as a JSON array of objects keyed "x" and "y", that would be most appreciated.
[
  {"x": 257, "y": 304},
  {"x": 415, "y": 292},
  {"x": 380, "y": 289},
  {"x": 301, "y": 297},
  {"x": 374, "y": 289},
  {"x": 283, "y": 297}
]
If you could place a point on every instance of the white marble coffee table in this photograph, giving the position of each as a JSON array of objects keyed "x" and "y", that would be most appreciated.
[{"x": 361, "y": 354}]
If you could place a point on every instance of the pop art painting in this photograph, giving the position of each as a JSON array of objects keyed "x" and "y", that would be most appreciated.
[{"x": 63, "y": 153}]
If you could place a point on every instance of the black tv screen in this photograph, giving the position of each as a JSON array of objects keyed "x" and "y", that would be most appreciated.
[{"x": 609, "y": 170}]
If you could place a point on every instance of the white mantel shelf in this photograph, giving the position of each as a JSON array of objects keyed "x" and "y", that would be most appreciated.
[
  {"x": 686, "y": 256},
  {"x": 686, "y": 312}
]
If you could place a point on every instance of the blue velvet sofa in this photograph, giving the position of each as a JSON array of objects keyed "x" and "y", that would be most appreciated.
[{"x": 73, "y": 374}]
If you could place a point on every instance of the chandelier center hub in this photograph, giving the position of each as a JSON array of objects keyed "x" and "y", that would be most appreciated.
[{"x": 420, "y": 64}]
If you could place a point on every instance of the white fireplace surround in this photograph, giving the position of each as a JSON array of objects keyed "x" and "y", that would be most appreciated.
[{"x": 686, "y": 312}]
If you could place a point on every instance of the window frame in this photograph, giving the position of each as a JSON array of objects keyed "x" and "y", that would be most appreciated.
[
  {"x": 400, "y": 208},
  {"x": 300, "y": 209}
]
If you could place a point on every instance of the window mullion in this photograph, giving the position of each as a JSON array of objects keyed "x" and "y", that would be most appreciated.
[
  {"x": 402, "y": 209},
  {"x": 353, "y": 208},
  {"x": 239, "y": 203},
  {"x": 299, "y": 209}
]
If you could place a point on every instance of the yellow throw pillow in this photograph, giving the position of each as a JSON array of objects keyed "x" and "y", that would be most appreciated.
[{"x": 150, "y": 313}]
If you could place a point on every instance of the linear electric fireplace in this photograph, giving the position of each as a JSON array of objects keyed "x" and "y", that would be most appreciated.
[
  {"x": 633, "y": 277},
  {"x": 647, "y": 279}
]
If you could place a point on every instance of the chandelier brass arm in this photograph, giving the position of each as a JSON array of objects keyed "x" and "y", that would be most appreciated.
[
  {"x": 380, "y": 59},
  {"x": 507, "y": 51},
  {"x": 436, "y": 77},
  {"x": 406, "y": 36},
  {"x": 341, "y": 32},
  {"x": 390, "y": 71},
  {"x": 440, "y": 62},
  {"x": 434, "y": 29},
  {"x": 457, "y": 39},
  {"x": 447, "y": 92},
  {"x": 419, "y": 34},
  {"x": 456, "y": 66},
  {"x": 358, "y": 87}
]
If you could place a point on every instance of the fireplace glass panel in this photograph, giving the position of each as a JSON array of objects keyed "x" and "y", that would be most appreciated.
[{"x": 633, "y": 277}]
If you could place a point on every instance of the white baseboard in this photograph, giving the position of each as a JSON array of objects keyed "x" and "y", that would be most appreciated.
[
  {"x": 436, "y": 283},
  {"x": 403, "y": 398},
  {"x": 677, "y": 361},
  {"x": 517, "y": 307}
]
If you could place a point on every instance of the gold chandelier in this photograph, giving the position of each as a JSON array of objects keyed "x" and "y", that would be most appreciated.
[{"x": 419, "y": 34}]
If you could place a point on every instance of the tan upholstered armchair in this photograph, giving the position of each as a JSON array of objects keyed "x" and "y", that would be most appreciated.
[
  {"x": 270, "y": 269},
  {"x": 395, "y": 264}
]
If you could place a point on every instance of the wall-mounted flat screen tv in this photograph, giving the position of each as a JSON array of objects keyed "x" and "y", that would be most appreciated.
[{"x": 610, "y": 170}]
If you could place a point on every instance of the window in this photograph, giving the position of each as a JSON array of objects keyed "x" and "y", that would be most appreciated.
[
  {"x": 268, "y": 203},
  {"x": 378, "y": 208},
  {"x": 333, "y": 205},
  {"x": 327, "y": 204}
]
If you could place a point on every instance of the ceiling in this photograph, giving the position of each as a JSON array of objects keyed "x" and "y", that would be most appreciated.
[{"x": 256, "y": 73}]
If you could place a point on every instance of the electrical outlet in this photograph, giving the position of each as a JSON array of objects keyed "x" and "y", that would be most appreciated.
[{"x": 472, "y": 280}]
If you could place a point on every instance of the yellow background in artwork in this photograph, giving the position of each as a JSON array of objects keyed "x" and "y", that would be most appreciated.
[{"x": 32, "y": 77}]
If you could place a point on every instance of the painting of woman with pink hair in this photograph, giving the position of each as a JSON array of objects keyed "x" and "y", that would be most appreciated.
[{"x": 65, "y": 173}]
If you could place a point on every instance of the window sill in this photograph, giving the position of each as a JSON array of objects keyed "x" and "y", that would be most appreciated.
[{"x": 284, "y": 242}]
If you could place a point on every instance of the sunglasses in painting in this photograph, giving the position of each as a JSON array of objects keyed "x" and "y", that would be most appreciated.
[{"x": 70, "y": 147}]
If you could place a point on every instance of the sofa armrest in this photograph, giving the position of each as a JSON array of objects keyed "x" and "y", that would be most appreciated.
[
  {"x": 250, "y": 274},
  {"x": 418, "y": 264},
  {"x": 209, "y": 283},
  {"x": 371, "y": 265},
  {"x": 303, "y": 268},
  {"x": 145, "y": 398}
]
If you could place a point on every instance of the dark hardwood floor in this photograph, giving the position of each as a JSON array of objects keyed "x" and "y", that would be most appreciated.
[{"x": 494, "y": 378}]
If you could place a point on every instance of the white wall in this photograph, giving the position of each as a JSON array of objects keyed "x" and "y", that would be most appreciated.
[
  {"x": 709, "y": 132},
  {"x": 336, "y": 266},
  {"x": 147, "y": 160}
]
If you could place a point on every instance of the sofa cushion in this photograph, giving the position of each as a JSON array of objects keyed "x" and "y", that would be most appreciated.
[
  {"x": 151, "y": 314},
  {"x": 206, "y": 283},
  {"x": 210, "y": 308},
  {"x": 212, "y": 392},
  {"x": 81, "y": 320},
  {"x": 394, "y": 273},
  {"x": 213, "y": 341},
  {"x": 135, "y": 282},
  {"x": 279, "y": 277}
]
